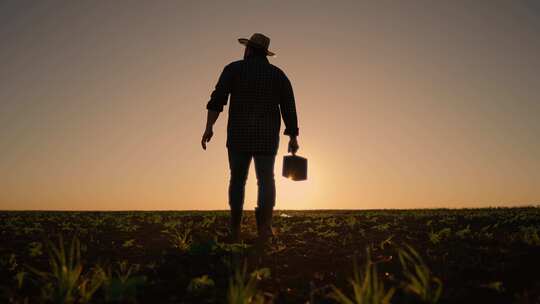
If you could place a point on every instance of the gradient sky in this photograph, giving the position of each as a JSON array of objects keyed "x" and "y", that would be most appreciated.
[{"x": 402, "y": 104}]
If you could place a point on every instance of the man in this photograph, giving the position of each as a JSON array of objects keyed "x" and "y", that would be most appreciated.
[{"x": 259, "y": 92}]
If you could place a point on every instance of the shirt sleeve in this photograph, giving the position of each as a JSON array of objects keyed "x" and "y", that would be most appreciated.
[
  {"x": 288, "y": 108},
  {"x": 220, "y": 95}
]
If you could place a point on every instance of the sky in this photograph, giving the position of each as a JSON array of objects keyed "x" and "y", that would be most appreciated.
[{"x": 401, "y": 104}]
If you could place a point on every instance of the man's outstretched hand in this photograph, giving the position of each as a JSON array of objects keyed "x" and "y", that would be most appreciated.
[
  {"x": 206, "y": 137},
  {"x": 293, "y": 145}
]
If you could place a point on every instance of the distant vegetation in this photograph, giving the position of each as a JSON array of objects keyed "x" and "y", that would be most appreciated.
[{"x": 394, "y": 256}]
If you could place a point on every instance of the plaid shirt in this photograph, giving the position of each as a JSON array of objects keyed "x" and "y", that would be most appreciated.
[{"x": 259, "y": 92}]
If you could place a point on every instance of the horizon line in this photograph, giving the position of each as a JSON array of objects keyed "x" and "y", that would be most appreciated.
[{"x": 227, "y": 210}]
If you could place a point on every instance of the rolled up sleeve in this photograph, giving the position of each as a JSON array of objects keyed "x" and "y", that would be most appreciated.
[{"x": 220, "y": 95}]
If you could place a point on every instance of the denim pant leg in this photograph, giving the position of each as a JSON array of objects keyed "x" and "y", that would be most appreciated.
[
  {"x": 264, "y": 167},
  {"x": 239, "y": 165}
]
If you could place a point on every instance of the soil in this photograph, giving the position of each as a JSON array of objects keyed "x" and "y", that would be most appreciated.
[{"x": 480, "y": 255}]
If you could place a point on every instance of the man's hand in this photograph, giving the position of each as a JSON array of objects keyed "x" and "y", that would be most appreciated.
[
  {"x": 206, "y": 137},
  {"x": 210, "y": 120},
  {"x": 293, "y": 145}
]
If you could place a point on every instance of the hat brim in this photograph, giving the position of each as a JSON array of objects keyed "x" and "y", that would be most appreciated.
[{"x": 245, "y": 41}]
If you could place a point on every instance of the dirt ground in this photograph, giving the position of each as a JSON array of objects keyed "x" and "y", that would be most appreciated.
[{"x": 479, "y": 255}]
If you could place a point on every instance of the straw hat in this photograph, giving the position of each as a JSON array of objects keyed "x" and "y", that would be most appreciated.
[{"x": 258, "y": 40}]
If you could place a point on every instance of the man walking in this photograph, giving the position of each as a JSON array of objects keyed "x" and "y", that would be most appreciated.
[{"x": 261, "y": 94}]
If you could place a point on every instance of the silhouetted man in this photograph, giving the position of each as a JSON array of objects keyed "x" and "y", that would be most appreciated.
[{"x": 259, "y": 92}]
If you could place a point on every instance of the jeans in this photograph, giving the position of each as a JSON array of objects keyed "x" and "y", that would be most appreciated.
[{"x": 264, "y": 167}]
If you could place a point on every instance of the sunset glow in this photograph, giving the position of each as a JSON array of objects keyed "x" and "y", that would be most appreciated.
[{"x": 410, "y": 104}]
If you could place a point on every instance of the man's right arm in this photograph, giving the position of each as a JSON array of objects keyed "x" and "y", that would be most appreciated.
[
  {"x": 218, "y": 100},
  {"x": 220, "y": 95}
]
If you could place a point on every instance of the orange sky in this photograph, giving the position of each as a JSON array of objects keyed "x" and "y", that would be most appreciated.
[{"x": 401, "y": 104}]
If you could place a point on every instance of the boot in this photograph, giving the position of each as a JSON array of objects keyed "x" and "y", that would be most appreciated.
[
  {"x": 258, "y": 218},
  {"x": 264, "y": 223},
  {"x": 236, "y": 224}
]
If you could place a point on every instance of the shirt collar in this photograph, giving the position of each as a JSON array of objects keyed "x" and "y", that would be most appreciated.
[{"x": 258, "y": 58}]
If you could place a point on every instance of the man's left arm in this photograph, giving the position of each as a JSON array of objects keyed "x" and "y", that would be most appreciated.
[{"x": 288, "y": 112}]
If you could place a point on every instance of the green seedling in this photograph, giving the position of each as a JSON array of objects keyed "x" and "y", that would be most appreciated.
[
  {"x": 65, "y": 281},
  {"x": 180, "y": 239},
  {"x": 418, "y": 278},
  {"x": 368, "y": 289},
  {"x": 122, "y": 285},
  {"x": 244, "y": 290},
  {"x": 200, "y": 284}
]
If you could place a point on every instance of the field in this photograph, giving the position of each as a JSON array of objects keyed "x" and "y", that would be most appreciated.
[{"x": 400, "y": 256}]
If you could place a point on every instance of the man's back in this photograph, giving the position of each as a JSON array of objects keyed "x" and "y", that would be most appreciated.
[{"x": 259, "y": 91}]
